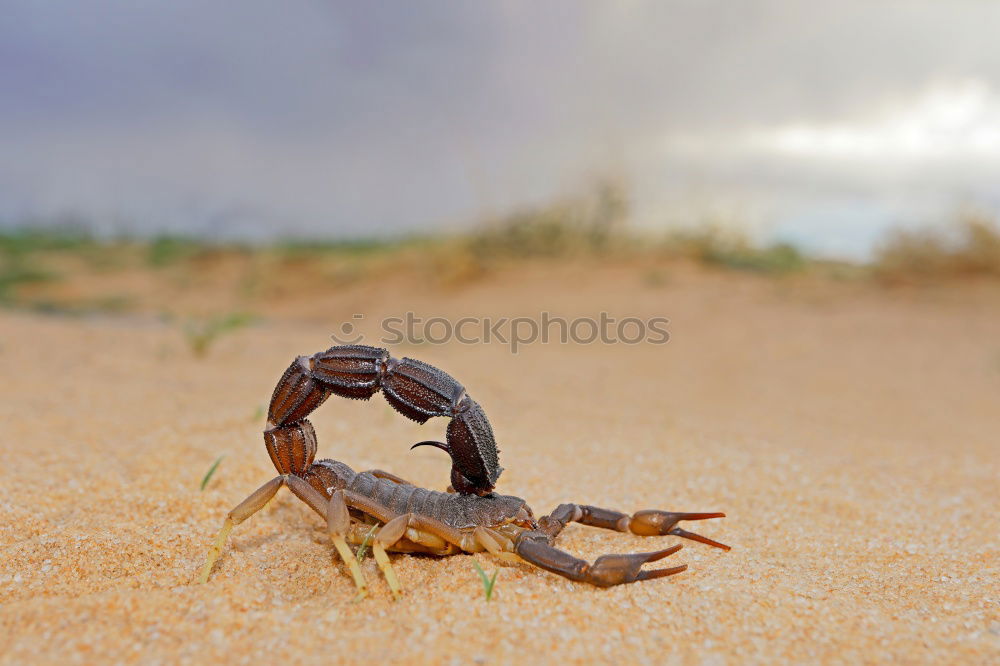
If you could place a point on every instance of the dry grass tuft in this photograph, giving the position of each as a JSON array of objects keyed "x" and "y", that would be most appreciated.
[
  {"x": 724, "y": 247},
  {"x": 971, "y": 250}
]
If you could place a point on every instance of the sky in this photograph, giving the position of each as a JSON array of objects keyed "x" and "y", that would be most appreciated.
[{"x": 819, "y": 123}]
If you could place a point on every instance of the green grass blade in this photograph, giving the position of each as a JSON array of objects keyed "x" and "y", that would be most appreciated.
[
  {"x": 488, "y": 582},
  {"x": 210, "y": 472},
  {"x": 493, "y": 581},
  {"x": 202, "y": 334},
  {"x": 363, "y": 548}
]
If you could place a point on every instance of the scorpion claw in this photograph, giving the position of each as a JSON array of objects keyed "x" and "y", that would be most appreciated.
[
  {"x": 609, "y": 570},
  {"x": 699, "y": 538},
  {"x": 661, "y": 573},
  {"x": 657, "y": 523},
  {"x": 606, "y": 571}
]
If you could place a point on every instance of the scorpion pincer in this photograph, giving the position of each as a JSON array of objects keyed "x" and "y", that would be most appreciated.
[{"x": 405, "y": 518}]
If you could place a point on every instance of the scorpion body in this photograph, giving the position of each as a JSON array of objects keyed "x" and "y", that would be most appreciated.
[
  {"x": 405, "y": 518},
  {"x": 399, "y": 497}
]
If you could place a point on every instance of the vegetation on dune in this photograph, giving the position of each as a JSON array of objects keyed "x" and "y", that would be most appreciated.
[
  {"x": 16, "y": 267},
  {"x": 25, "y": 241},
  {"x": 589, "y": 225},
  {"x": 16, "y": 273},
  {"x": 971, "y": 249},
  {"x": 716, "y": 246},
  {"x": 297, "y": 248},
  {"x": 65, "y": 271},
  {"x": 169, "y": 250},
  {"x": 593, "y": 223}
]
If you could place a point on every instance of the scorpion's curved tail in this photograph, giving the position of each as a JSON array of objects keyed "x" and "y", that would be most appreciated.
[{"x": 415, "y": 389}]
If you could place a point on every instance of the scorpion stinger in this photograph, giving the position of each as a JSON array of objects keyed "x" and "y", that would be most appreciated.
[
  {"x": 456, "y": 481},
  {"x": 437, "y": 445}
]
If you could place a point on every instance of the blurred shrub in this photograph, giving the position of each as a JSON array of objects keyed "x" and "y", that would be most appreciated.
[
  {"x": 971, "y": 249},
  {"x": 14, "y": 272},
  {"x": 19, "y": 266},
  {"x": 714, "y": 246},
  {"x": 167, "y": 250},
  {"x": 351, "y": 247},
  {"x": 587, "y": 224},
  {"x": 777, "y": 258},
  {"x": 26, "y": 241}
]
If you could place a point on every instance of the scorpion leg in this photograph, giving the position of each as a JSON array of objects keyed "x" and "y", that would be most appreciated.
[
  {"x": 495, "y": 544},
  {"x": 434, "y": 534},
  {"x": 338, "y": 523},
  {"x": 382, "y": 474},
  {"x": 649, "y": 522},
  {"x": 535, "y": 547},
  {"x": 251, "y": 505},
  {"x": 387, "y": 537},
  {"x": 415, "y": 542},
  {"x": 419, "y": 530},
  {"x": 383, "y": 514}
]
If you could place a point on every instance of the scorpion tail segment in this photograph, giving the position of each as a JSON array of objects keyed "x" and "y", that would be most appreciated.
[
  {"x": 473, "y": 450},
  {"x": 606, "y": 571},
  {"x": 351, "y": 371},
  {"x": 655, "y": 523},
  {"x": 464, "y": 486},
  {"x": 460, "y": 483},
  {"x": 292, "y": 447},
  {"x": 419, "y": 391},
  {"x": 338, "y": 523},
  {"x": 296, "y": 395}
]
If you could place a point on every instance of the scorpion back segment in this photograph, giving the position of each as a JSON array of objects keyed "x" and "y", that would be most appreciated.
[{"x": 415, "y": 389}]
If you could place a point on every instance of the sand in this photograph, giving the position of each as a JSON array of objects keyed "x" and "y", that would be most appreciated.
[{"x": 850, "y": 433}]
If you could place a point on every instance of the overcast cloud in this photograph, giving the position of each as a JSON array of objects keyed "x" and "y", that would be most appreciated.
[{"x": 817, "y": 122}]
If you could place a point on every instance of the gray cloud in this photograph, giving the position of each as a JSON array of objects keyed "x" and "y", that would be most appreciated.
[{"x": 260, "y": 118}]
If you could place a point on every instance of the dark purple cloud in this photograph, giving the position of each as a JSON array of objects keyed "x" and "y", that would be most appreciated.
[{"x": 320, "y": 117}]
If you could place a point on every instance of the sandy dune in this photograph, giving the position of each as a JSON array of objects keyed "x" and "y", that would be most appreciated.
[{"x": 850, "y": 434}]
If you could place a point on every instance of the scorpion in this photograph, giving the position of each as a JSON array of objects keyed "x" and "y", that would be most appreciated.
[{"x": 469, "y": 517}]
